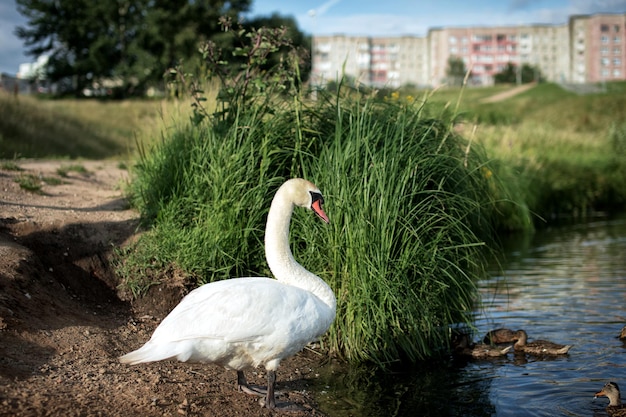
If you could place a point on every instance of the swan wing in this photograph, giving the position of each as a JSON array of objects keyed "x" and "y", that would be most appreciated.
[{"x": 240, "y": 310}]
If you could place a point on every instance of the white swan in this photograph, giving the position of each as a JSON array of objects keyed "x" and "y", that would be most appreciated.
[{"x": 246, "y": 322}]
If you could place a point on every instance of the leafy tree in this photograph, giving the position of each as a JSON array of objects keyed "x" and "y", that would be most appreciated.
[
  {"x": 134, "y": 41},
  {"x": 456, "y": 71}
]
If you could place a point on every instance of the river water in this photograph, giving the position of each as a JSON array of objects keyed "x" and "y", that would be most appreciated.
[{"x": 566, "y": 284}]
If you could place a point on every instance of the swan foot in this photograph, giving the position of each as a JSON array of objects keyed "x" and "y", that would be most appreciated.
[{"x": 243, "y": 386}]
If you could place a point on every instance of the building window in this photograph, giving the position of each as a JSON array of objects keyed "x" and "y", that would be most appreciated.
[
  {"x": 604, "y": 62},
  {"x": 604, "y": 39},
  {"x": 604, "y": 50},
  {"x": 617, "y": 72},
  {"x": 617, "y": 39},
  {"x": 617, "y": 62},
  {"x": 604, "y": 28},
  {"x": 616, "y": 28}
]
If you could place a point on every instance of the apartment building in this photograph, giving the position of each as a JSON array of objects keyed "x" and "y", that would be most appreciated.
[
  {"x": 597, "y": 48},
  {"x": 589, "y": 48},
  {"x": 485, "y": 51},
  {"x": 546, "y": 47}
]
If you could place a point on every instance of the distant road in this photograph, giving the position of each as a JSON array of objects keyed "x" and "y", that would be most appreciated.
[{"x": 509, "y": 93}]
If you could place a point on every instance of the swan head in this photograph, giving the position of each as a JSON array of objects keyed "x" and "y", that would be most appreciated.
[{"x": 305, "y": 194}]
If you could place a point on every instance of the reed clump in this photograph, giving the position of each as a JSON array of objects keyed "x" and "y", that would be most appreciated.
[{"x": 410, "y": 201}]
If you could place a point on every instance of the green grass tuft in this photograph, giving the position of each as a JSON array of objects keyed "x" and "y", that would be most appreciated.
[
  {"x": 29, "y": 182},
  {"x": 63, "y": 170},
  {"x": 10, "y": 166}
]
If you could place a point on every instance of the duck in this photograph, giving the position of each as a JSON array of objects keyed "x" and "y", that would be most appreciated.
[
  {"x": 464, "y": 347},
  {"x": 500, "y": 336},
  {"x": 244, "y": 323},
  {"x": 622, "y": 335},
  {"x": 538, "y": 347},
  {"x": 615, "y": 407}
]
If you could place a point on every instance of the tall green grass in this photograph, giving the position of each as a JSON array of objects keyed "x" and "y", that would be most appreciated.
[{"x": 410, "y": 204}]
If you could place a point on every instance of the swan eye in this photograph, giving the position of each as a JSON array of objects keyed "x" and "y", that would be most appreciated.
[{"x": 316, "y": 197}]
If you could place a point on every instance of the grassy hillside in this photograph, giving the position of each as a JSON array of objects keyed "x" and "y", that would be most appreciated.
[
  {"x": 560, "y": 154},
  {"x": 44, "y": 128}
]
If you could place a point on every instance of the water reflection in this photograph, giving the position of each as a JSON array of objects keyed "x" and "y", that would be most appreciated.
[
  {"x": 436, "y": 390},
  {"x": 565, "y": 284}
]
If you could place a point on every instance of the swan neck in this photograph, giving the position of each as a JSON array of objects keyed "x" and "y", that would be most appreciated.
[
  {"x": 277, "y": 249},
  {"x": 280, "y": 259}
]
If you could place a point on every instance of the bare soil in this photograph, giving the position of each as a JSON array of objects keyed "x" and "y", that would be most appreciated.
[{"x": 64, "y": 322}]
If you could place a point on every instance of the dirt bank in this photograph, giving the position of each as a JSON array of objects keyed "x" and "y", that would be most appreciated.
[{"x": 63, "y": 324}]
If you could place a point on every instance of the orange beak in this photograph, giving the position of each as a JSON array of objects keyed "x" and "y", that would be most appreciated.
[{"x": 317, "y": 208}]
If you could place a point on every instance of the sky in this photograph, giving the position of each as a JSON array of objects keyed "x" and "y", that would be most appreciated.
[{"x": 367, "y": 17}]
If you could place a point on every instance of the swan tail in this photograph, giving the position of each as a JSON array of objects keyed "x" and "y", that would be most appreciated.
[{"x": 149, "y": 353}]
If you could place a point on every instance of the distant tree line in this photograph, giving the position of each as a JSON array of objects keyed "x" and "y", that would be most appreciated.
[
  {"x": 512, "y": 74},
  {"x": 132, "y": 42},
  {"x": 456, "y": 72}
]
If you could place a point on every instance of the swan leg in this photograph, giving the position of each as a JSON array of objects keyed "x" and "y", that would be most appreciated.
[
  {"x": 270, "y": 400},
  {"x": 243, "y": 386}
]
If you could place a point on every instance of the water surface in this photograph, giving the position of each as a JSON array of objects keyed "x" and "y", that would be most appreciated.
[{"x": 566, "y": 284}]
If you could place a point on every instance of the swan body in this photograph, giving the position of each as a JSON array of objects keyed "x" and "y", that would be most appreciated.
[
  {"x": 538, "y": 347},
  {"x": 248, "y": 322},
  {"x": 615, "y": 407}
]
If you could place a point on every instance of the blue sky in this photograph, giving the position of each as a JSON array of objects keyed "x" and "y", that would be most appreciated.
[{"x": 369, "y": 17}]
